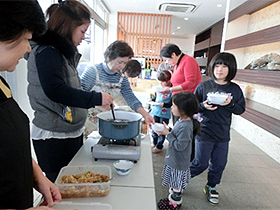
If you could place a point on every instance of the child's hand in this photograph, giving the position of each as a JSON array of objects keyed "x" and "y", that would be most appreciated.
[
  {"x": 161, "y": 104},
  {"x": 209, "y": 106},
  {"x": 165, "y": 131},
  {"x": 227, "y": 101}
]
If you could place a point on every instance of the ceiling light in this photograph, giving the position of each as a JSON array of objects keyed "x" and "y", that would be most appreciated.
[
  {"x": 173, "y": 33},
  {"x": 219, "y": 5},
  {"x": 178, "y": 27},
  {"x": 186, "y": 18}
]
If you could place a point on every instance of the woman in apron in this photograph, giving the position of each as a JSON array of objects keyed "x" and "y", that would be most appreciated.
[
  {"x": 107, "y": 77},
  {"x": 19, "y": 172}
]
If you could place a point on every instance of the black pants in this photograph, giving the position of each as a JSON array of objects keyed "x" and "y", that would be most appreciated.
[
  {"x": 53, "y": 154},
  {"x": 212, "y": 156}
]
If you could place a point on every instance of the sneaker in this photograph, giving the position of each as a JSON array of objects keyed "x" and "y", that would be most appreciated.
[
  {"x": 171, "y": 190},
  {"x": 212, "y": 194},
  {"x": 175, "y": 198},
  {"x": 166, "y": 204},
  {"x": 156, "y": 150}
]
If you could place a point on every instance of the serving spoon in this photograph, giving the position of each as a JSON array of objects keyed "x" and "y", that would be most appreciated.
[{"x": 113, "y": 112}]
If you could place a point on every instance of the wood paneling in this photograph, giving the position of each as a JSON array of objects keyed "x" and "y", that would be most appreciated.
[
  {"x": 146, "y": 34},
  {"x": 261, "y": 118},
  {"x": 216, "y": 33},
  {"x": 202, "y": 45},
  {"x": 249, "y": 7},
  {"x": 260, "y": 77},
  {"x": 264, "y": 36}
]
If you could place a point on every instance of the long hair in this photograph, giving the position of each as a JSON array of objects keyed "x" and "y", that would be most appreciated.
[
  {"x": 65, "y": 16},
  {"x": 187, "y": 104},
  {"x": 17, "y": 17}
]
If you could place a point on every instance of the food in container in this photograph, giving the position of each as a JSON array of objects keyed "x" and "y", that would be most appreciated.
[
  {"x": 216, "y": 98},
  {"x": 97, "y": 189}
]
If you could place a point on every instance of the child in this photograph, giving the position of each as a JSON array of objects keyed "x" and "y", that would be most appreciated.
[
  {"x": 176, "y": 172},
  {"x": 162, "y": 111},
  {"x": 132, "y": 70},
  {"x": 212, "y": 144}
]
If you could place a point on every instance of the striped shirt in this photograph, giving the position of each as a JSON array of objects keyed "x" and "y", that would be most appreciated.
[{"x": 88, "y": 80}]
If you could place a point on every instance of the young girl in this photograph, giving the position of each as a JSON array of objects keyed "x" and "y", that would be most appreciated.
[
  {"x": 162, "y": 111},
  {"x": 212, "y": 144},
  {"x": 176, "y": 172}
]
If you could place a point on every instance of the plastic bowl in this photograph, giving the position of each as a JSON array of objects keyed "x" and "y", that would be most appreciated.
[
  {"x": 123, "y": 167},
  {"x": 216, "y": 98},
  {"x": 158, "y": 88},
  {"x": 157, "y": 127}
]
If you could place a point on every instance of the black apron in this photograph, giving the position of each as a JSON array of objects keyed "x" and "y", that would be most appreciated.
[{"x": 16, "y": 172}]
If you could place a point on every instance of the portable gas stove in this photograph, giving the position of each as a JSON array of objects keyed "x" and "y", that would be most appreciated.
[{"x": 117, "y": 149}]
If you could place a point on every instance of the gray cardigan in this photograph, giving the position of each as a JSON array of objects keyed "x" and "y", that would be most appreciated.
[{"x": 180, "y": 138}]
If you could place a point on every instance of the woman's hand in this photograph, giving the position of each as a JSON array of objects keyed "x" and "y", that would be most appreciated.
[
  {"x": 49, "y": 190},
  {"x": 148, "y": 119},
  {"x": 107, "y": 99},
  {"x": 165, "y": 91},
  {"x": 43, "y": 185}
]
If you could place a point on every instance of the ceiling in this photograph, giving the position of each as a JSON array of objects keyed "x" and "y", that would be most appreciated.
[{"x": 206, "y": 14}]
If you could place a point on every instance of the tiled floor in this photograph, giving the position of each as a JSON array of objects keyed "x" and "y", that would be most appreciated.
[{"x": 250, "y": 181}]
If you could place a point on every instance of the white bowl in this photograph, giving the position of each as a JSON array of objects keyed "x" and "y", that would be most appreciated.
[
  {"x": 123, "y": 167},
  {"x": 214, "y": 98},
  {"x": 157, "y": 127},
  {"x": 158, "y": 88}
]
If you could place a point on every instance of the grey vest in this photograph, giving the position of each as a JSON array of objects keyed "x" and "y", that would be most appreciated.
[{"x": 48, "y": 114}]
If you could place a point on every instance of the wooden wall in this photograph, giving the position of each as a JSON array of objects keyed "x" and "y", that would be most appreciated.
[{"x": 146, "y": 34}]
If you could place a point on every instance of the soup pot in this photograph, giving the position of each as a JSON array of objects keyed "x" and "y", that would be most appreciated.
[{"x": 126, "y": 126}]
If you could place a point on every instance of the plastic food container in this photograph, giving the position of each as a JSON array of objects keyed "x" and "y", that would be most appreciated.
[
  {"x": 70, "y": 190},
  {"x": 84, "y": 206},
  {"x": 158, "y": 88},
  {"x": 214, "y": 98},
  {"x": 157, "y": 127}
]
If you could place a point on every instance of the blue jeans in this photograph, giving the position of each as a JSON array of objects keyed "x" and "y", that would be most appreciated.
[
  {"x": 159, "y": 140},
  {"x": 212, "y": 155}
]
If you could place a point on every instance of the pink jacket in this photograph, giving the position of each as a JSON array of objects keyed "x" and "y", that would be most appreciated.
[{"x": 187, "y": 74}]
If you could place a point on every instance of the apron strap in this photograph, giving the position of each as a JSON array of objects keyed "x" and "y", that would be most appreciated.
[
  {"x": 121, "y": 79},
  {"x": 5, "y": 90},
  {"x": 96, "y": 74}
]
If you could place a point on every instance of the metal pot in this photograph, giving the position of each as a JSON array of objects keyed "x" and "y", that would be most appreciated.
[{"x": 126, "y": 125}]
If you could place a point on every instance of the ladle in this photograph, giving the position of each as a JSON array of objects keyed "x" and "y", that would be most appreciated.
[{"x": 113, "y": 112}]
